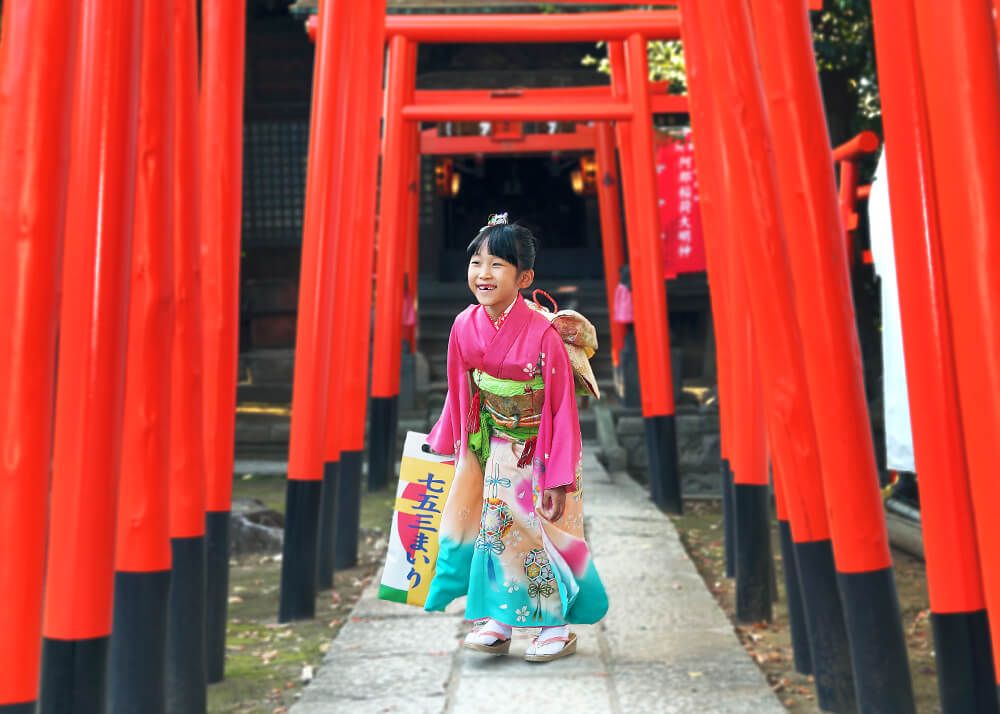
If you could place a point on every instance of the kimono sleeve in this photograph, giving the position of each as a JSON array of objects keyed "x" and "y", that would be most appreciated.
[
  {"x": 446, "y": 435},
  {"x": 559, "y": 433}
]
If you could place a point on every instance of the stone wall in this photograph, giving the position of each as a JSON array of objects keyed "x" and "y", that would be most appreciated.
[{"x": 697, "y": 446}]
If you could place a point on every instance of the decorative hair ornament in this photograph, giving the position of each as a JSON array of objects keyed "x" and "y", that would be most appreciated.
[{"x": 495, "y": 219}]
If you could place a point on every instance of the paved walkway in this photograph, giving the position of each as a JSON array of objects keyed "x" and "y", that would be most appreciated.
[{"x": 665, "y": 645}]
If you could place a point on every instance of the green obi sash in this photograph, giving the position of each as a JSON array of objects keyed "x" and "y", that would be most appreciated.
[{"x": 479, "y": 442}]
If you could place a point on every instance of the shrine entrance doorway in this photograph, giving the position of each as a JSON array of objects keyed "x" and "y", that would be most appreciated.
[{"x": 537, "y": 191}]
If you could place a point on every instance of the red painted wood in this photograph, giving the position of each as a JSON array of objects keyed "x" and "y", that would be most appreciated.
[
  {"x": 37, "y": 75},
  {"x": 957, "y": 47},
  {"x": 142, "y": 543},
  {"x": 358, "y": 345},
  {"x": 93, "y": 325},
  {"x": 946, "y": 513},
  {"x": 392, "y": 231},
  {"x": 583, "y": 27},
  {"x": 223, "y": 50},
  {"x": 825, "y": 306},
  {"x": 312, "y": 341},
  {"x": 735, "y": 169},
  {"x": 187, "y": 449}
]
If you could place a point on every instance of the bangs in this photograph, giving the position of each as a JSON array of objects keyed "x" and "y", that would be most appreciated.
[{"x": 500, "y": 241}]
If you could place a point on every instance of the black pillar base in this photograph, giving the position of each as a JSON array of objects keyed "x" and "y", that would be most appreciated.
[
  {"x": 728, "y": 519},
  {"x": 20, "y": 708},
  {"x": 824, "y": 617},
  {"x": 216, "y": 593},
  {"x": 74, "y": 676},
  {"x": 186, "y": 628},
  {"x": 878, "y": 649},
  {"x": 382, "y": 423},
  {"x": 348, "y": 510},
  {"x": 793, "y": 597},
  {"x": 753, "y": 553},
  {"x": 139, "y": 643},
  {"x": 298, "y": 552},
  {"x": 664, "y": 474},
  {"x": 328, "y": 526},
  {"x": 964, "y": 658}
]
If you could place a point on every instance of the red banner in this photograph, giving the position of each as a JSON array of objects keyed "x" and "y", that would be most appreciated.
[{"x": 680, "y": 217}]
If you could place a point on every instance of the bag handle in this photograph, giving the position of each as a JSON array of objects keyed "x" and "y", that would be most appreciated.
[{"x": 534, "y": 296}]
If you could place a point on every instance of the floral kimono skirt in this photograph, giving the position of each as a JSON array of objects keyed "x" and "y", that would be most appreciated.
[{"x": 496, "y": 548}]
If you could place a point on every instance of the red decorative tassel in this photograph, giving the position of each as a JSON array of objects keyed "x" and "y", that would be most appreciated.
[
  {"x": 472, "y": 420},
  {"x": 527, "y": 454}
]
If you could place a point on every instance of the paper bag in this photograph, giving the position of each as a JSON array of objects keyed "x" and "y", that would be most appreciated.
[{"x": 424, "y": 482}]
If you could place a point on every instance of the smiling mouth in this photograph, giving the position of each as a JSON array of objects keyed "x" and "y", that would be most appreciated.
[{"x": 486, "y": 288}]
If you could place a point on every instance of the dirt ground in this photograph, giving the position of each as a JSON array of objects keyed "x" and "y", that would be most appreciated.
[
  {"x": 267, "y": 663},
  {"x": 769, "y": 643}
]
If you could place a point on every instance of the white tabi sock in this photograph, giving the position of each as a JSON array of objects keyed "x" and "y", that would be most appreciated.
[
  {"x": 481, "y": 635},
  {"x": 551, "y": 647}
]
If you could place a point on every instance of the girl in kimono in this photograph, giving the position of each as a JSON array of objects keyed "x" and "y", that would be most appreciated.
[{"x": 511, "y": 535}]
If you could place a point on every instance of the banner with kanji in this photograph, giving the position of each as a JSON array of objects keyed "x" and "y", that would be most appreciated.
[
  {"x": 683, "y": 247},
  {"x": 411, "y": 557}
]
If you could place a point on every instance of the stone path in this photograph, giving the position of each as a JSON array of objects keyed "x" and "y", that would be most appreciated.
[{"x": 665, "y": 646}]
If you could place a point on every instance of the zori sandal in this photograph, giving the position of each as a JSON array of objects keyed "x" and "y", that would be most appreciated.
[
  {"x": 567, "y": 649},
  {"x": 500, "y": 645}
]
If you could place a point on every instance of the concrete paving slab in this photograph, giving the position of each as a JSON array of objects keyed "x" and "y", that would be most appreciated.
[
  {"x": 651, "y": 643},
  {"x": 667, "y": 689},
  {"x": 382, "y": 637},
  {"x": 350, "y": 675},
  {"x": 369, "y": 607},
  {"x": 380, "y": 705},
  {"x": 593, "y": 472},
  {"x": 655, "y": 546},
  {"x": 607, "y": 499},
  {"x": 573, "y": 694},
  {"x": 705, "y": 658},
  {"x": 650, "y": 524},
  {"x": 373, "y": 607},
  {"x": 653, "y": 601}
]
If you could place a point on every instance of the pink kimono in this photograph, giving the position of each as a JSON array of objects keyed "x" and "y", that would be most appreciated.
[{"x": 510, "y": 418}]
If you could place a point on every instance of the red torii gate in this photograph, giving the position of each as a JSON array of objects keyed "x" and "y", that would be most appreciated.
[
  {"x": 76, "y": 86},
  {"x": 945, "y": 193},
  {"x": 803, "y": 494},
  {"x": 403, "y": 108}
]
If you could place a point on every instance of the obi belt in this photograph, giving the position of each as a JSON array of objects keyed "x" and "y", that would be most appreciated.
[{"x": 507, "y": 408}]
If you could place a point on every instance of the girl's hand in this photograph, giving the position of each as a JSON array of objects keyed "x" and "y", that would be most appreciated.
[{"x": 553, "y": 503}]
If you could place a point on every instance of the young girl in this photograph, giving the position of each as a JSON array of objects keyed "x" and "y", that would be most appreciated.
[{"x": 511, "y": 534}]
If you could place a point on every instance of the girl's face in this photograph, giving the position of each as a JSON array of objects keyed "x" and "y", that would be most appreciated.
[{"x": 494, "y": 281}]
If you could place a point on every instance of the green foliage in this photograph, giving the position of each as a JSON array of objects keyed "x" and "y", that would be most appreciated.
[
  {"x": 842, "y": 37},
  {"x": 666, "y": 64}
]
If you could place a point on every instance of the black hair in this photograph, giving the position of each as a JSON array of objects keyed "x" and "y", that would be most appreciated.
[
  {"x": 509, "y": 241},
  {"x": 624, "y": 276}
]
